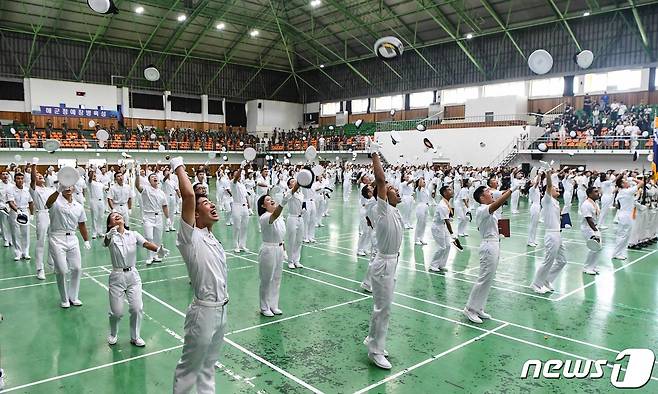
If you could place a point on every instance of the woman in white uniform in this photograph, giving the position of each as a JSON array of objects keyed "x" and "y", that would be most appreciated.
[
  {"x": 124, "y": 278},
  {"x": 66, "y": 215},
  {"x": 590, "y": 212},
  {"x": 607, "y": 189},
  {"x": 294, "y": 224},
  {"x": 534, "y": 198},
  {"x": 461, "y": 207},
  {"x": 40, "y": 194},
  {"x": 423, "y": 199},
  {"x": 96, "y": 204},
  {"x": 154, "y": 205},
  {"x": 407, "y": 204},
  {"x": 272, "y": 251}
]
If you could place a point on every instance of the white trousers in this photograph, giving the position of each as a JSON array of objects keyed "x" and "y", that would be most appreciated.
[
  {"x": 383, "y": 287},
  {"x": 365, "y": 239},
  {"x": 347, "y": 188},
  {"x": 534, "y": 222},
  {"x": 554, "y": 260},
  {"x": 319, "y": 208},
  {"x": 204, "y": 334},
  {"x": 568, "y": 196},
  {"x": 421, "y": 220},
  {"x": 406, "y": 208},
  {"x": 65, "y": 252},
  {"x": 310, "y": 217},
  {"x": 606, "y": 204},
  {"x": 126, "y": 285},
  {"x": 153, "y": 228},
  {"x": 240, "y": 217},
  {"x": 461, "y": 219},
  {"x": 21, "y": 235},
  {"x": 489, "y": 258},
  {"x": 97, "y": 208},
  {"x": 294, "y": 236},
  {"x": 624, "y": 228},
  {"x": 6, "y": 228},
  {"x": 442, "y": 238},
  {"x": 270, "y": 268},
  {"x": 42, "y": 223},
  {"x": 515, "y": 201},
  {"x": 123, "y": 210}
]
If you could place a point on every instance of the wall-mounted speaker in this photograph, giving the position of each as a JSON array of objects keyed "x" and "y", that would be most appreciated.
[{"x": 260, "y": 105}]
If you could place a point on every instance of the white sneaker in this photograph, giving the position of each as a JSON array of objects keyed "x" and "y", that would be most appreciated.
[
  {"x": 276, "y": 311},
  {"x": 139, "y": 342},
  {"x": 267, "y": 313},
  {"x": 65, "y": 304},
  {"x": 484, "y": 315},
  {"x": 306, "y": 241},
  {"x": 367, "y": 341},
  {"x": 291, "y": 266},
  {"x": 236, "y": 250},
  {"x": 111, "y": 340},
  {"x": 149, "y": 261},
  {"x": 589, "y": 272},
  {"x": 472, "y": 316},
  {"x": 2, "y": 379},
  {"x": 366, "y": 288},
  {"x": 246, "y": 250},
  {"x": 360, "y": 253},
  {"x": 6, "y": 244},
  {"x": 619, "y": 257},
  {"x": 299, "y": 265},
  {"x": 16, "y": 258},
  {"x": 549, "y": 286},
  {"x": 418, "y": 243},
  {"x": 532, "y": 244},
  {"x": 380, "y": 361},
  {"x": 41, "y": 275},
  {"x": 76, "y": 302},
  {"x": 597, "y": 270},
  {"x": 538, "y": 289},
  {"x": 437, "y": 270},
  {"x": 603, "y": 227},
  {"x": 312, "y": 240}
]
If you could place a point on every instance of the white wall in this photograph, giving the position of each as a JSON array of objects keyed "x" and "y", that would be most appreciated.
[
  {"x": 459, "y": 146},
  {"x": 505, "y": 105},
  {"x": 273, "y": 114},
  {"x": 53, "y": 93},
  {"x": 592, "y": 161},
  {"x": 12, "y": 106},
  {"x": 311, "y": 107}
]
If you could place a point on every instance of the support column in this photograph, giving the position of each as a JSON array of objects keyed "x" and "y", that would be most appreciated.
[
  {"x": 204, "y": 112},
  {"x": 167, "y": 109}
]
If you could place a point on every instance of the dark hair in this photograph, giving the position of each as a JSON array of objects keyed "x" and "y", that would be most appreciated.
[
  {"x": 443, "y": 190},
  {"x": 107, "y": 222},
  {"x": 488, "y": 183},
  {"x": 364, "y": 191},
  {"x": 16, "y": 175},
  {"x": 590, "y": 190},
  {"x": 261, "y": 201},
  {"x": 619, "y": 182},
  {"x": 117, "y": 173},
  {"x": 289, "y": 179},
  {"x": 478, "y": 193}
]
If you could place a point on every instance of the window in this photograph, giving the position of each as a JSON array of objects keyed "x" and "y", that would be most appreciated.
[
  {"x": 547, "y": 87},
  {"x": 505, "y": 89},
  {"x": 596, "y": 83},
  {"x": 459, "y": 96},
  {"x": 330, "y": 109},
  {"x": 389, "y": 102},
  {"x": 624, "y": 80},
  {"x": 421, "y": 99},
  {"x": 360, "y": 106}
]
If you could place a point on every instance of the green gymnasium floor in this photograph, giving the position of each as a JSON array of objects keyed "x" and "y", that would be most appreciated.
[{"x": 317, "y": 344}]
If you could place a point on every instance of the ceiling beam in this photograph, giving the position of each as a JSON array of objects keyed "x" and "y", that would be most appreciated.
[
  {"x": 285, "y": 46},
  {"x": 500, "y": 23},
  {"x": 180, "y": 29},
  {"x": 99, "y": 34},
  {"x": 640, "y": 27},
  {"x": 560, "y": 16}
]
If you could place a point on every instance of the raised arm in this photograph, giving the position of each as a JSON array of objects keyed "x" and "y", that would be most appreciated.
[
  {"x": 138, "y": 185},
  {"x": 501, "y": 200},
  {"x": 380, "y": 177},
  {"x": 186, "y": 191},
  {"x": 284, "y": 202}
]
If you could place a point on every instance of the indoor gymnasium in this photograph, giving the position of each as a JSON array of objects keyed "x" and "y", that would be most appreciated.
[{"x": 328, "y": 196}]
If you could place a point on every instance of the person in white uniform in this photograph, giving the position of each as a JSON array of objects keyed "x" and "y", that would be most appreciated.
[
  {"x": 626, "y": 199},
  {"x": 19, "y": 200},
  {"x": 442, "y": 231},
  {"x": 309, "y": 215},
  {"x": 119, "y": 197},
  {"x": 555, "y": 256},
  {"x": 124, "y": 281},
  {"x": 272, "y": 251},
  {"x": 607, "y": 189},
  {"x": 517, "y": 182},
  {"x": 347, "y": 182},
  {"x": 487, "y": 224},
  {"x": 170, "y": 189},
  {"x": 5, "y": 186},
  {"x": 294, "y": 224},
  {"x": 239, "y": 212},
  {"x": 423, "y": 199},
  {"x": 590, "y": 212},
  {"x": 365, "y": 237},
  {"x": 388, "y": 229},
  {"x": 205, "y": 320},
  {"x": 66, "y": 215},
  {"x": 407, "y": 203},
  {"x": 40, "y": 194},
  {"x": 534, "y": 199},
  {"x": 154, "y": 205},
  {"x": 461, "y": 208},
  {"x": 96, "y": 190},
  {"x": 568, "y": 186}
]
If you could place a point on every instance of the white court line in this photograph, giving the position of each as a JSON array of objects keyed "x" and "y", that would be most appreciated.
[
  {"x": 429, "y": 360},
  {"x": 6, "y": 390},
  {"x": 594, "y": 281},
  {"x": 187, "y": 276}
]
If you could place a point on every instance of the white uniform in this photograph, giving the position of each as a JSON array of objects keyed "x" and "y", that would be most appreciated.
[
  {"x": 21, "y": 233},
  {"x": 514, "y": 200},
  {"x": 554, "y": 258},
  {"x": 64, "y": 247},
  {"x": 120, "y": 196},
  {"x": 423, "y": 200},
  {"x": 487, "y": 224},
  {"x": 407, "y": 203},
  {"x": 365, "y": 237},
  {"x": 347, "y": 185},
  {"x": 205, "y": 321},
  {"x": 590, "y": 209},
  {"x": 97, "y": 208},
  {"x": 270, "y": 260},
  {"x": 4, "y": 219},
  {"x": 309, "y": 214},
  {"x": 79, "y": 191},
  {"x": 294, "y": 227},
  {"x": 153, "y": 201},
  {"x": 170, "y": 189},
  {"x": 125, "y": 280},
  {"x": 626, "y": 198},
  {"x": 239, "y": 214},
  {"x": 460, "y": 211},
  {"x": 441, "y": 235},
  {"x": 388, "y": 229},
  {"x": 39, "y": 197},
  {"x": 567, "y": 184},
  {"x": 607, "y": 199},
  {"x": 535, "y": 209}
]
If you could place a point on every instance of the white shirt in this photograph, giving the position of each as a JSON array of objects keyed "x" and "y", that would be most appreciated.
[
  {"x": 123, "y": 248},
  {"x": 96, "y": 190},
  {"x": 441, "y": 215},
  {"x": 487, "y": 223},
  {"x": 119, "y": 194},
  {"x": 40, "y": 195},
  {"x": 239, "y": 193},
  {"x": 422, "y": 196},
  {"x": 272, "y": 232},
  {"x": 626, "y": 198},
  {"x": 206, "y": 262},
  {"x": 589, "y": 209},
  {"x": 295, "y": 203},
  {"x": 170, "y": 185},
  {"x": 551, "y": 211},
  {"x": 20, "y": 197},
  {"x": 152, "y": 199},
  {"x": 65, "y": 216},
  {"x": 388, "y": 228},
  {"x": 533, "y": 195}
]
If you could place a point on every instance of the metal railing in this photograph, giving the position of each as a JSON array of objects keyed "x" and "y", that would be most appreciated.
[{"x": 606, "y": 143}]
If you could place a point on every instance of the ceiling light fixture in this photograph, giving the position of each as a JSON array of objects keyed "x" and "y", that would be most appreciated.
[
  {"x": 220, "y": 26},
  {"x": 321, "y": 65},
  {"x": 253, "y": 33},
  {"x": 181, "y": 18},
  {"x": 139, "y": 9},
  {"x": 315, "y": 3},
  {"x": 586, "y": 13},
  {"x": 469, "y": 36}
]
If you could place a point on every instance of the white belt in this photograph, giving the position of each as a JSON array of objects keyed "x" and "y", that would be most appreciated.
[
  {"x": 277, "y": 244},
  {"x": 41, "y": 211},
  {"x": 151, "y": 213},
  {"x": 552, "y": 231},
  {"x": 388, "y": 256},
  {"x": 119, "y": 269},
  {"x": 211, "y": 304},
  {"x": 491, "y": 240},
  {"x": 63, "y": 232}
]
